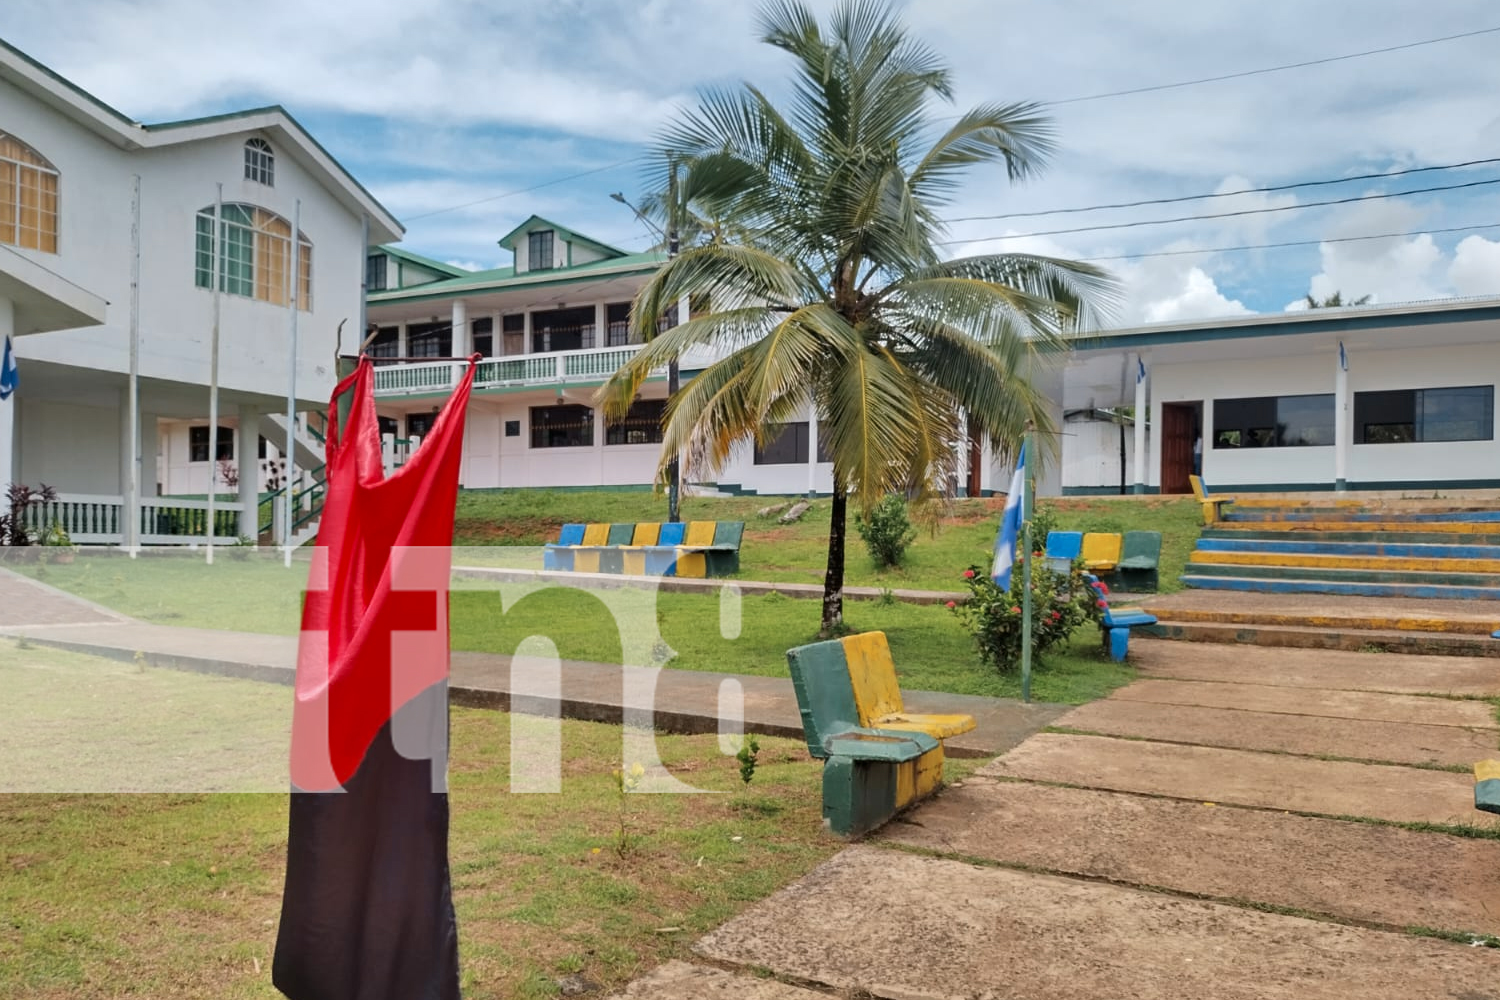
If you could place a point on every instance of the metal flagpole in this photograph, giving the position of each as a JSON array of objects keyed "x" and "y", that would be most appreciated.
[
  {"x": 213, "y": 382},
  {"x": 291, "y": 392},
  {"x": 1026, "y": 499},
  {"x": 132, "y": 527}
]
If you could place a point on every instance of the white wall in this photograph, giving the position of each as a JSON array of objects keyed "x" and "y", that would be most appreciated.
[
  {"x": 1091, "y": 455},
  {"x": 73, "y": 448},
  {"x": 1306, "y": 372},
  {"x": 94, "y": 251}
]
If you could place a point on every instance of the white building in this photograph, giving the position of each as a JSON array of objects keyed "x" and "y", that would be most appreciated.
[
  {"x": 1371, "y": 398},
  {"x": 113, "y": 222}
]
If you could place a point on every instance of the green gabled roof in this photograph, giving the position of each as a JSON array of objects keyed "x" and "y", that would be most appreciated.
[
  {"x": 501, "y": 278},
  {"x": 571, "y": 235},
  {"x": 432, "y": 265}
]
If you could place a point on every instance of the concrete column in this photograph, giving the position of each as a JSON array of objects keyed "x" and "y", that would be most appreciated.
[
  {"x": 600, "y": 336},
  {"x": 246, "y": 450},
  {"x": 401, "y": 340},
  {"x": 8, "y": 449},
  {"x": 497, "y": 338},
  {"x": 150, "y": 450},
  {"x": 526, "y": 332},
  {"x": 1142, "y": 414},
  {"x": 463, "y": 337},
  {"x": 1343, "y": 423}
]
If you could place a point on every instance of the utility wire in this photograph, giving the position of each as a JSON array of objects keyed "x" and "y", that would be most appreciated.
[
  {"x": 1272, "y": 69},
  {"x": 534, "y": 187},
  {"x": 1228, "y": 215},
  {"x": 1227, "y": 194},
  {"x": 1291, "y": 243}
]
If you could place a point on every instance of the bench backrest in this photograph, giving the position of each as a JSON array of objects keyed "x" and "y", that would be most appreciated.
[
  {"x": 1142, "y": 545},
  {"x": 1064, "y": 545},
  {"x": 872, "y": 674},
  {"x": 570, "y": 534},
  {"x": 1101, "y": 547},
  {"x": 620, "y": 534},
  {"x": 596, "y": 534},
  {"x": 1199, "y": 490},
  {"x": 700, "y": 533},
  {"x": 671, "y": 533},
  {"x": 646, "y": 534},
  {"x": 825, "y": 697},
  {"x": 729, "y": 533}
]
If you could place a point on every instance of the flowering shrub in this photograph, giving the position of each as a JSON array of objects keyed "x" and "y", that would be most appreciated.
[{"x": 1060, "y": 602}]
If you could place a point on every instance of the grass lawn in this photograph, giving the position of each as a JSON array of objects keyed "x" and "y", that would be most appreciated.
[
  {"x": 797, "y": 553},
  {"x": 176, "y": 896},
  {"x": 931, "y": 650}
]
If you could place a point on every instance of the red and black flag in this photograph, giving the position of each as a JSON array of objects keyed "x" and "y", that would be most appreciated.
[{"x": 367, "y": 912}]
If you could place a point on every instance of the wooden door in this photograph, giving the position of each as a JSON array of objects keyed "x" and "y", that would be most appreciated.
[{"x": 1179, "y": 424}]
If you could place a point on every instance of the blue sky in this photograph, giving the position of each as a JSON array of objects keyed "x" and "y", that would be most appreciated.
[{"x": 455, "y": 103}]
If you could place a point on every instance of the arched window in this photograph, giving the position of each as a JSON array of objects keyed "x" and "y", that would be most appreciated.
[
  {"x": 254, "y": 255},
  {"x": 260, "y": 162},
  {"x": 28, "y": 197}
]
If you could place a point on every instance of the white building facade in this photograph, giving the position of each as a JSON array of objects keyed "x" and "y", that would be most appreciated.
[{"x": 180, "y": 229}]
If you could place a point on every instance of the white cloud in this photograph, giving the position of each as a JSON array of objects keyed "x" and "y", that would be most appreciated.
[
  {"x": 1476, "y": 267},
  {"x": 1165, "y": 290}
]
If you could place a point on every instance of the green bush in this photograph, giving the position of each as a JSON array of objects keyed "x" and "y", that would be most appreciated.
[
  {"x": 887, "y": 531},
  {"x": 1060, "y": 603}
]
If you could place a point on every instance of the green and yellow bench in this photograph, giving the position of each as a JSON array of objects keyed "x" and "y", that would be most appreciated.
[
  {"x": 1211, "y": 501},
  {"x": 692, "y": 549},
  {"x": 877, "y": 757}
]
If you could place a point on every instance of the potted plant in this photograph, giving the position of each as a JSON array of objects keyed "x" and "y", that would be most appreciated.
[{"x": 55, "y": 538}]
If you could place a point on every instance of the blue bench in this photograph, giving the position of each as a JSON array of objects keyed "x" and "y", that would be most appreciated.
[
  {"x": 1063, "y": 549},
  {"x": 1115, "y": 628}
]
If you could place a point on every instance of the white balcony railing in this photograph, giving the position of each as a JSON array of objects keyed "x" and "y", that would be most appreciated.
[
  {"x": 556, "y": 367},
  {"x": 99, "y": 520}
]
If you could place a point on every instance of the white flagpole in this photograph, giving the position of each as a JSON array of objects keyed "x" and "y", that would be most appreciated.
[
  {"x": 291, "y": 392},
  {"x": 131, "y": 529},
  {"x": 213, "y": 381}
]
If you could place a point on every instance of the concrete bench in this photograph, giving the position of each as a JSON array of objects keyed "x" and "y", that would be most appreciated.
[
  {"x": 1115, "y": 628},
  {"x": 1100, "y": 551},
  {"x": 877, "y": 758},
  {"x": 1211, "y": 502},
  {"x": 693, "y": 549},
  {"x": 1487, "y": 786},
  {"x": 1140, "y": 557},
  {"x": 1063, "y": 547}
]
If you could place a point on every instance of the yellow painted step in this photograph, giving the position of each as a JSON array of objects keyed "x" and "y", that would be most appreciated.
[
  {"x": 1433, "y": 527},
  {"x": 1323, "y": 561},
  {"x": 1352, "y": 620}
]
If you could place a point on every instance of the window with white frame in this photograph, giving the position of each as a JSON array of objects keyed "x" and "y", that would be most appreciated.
[
  {"x": 539, "y": 250},
  {"x": 254, "y": 255},
  {"x": 28, "y": 197},
  {"x": 260, "y": 162}
]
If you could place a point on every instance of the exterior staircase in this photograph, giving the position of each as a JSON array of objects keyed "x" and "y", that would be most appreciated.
[{"x": 1415, "y": 549}]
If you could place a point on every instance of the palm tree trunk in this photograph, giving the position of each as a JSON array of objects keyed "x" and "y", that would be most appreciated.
[{"x": 833, "y": 580}]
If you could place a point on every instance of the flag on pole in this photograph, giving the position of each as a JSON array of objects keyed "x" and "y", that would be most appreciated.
[
  {"x": 10, "y": 375},
  {"x": 1343, "y": 358},
  {"x": 367, "y": 909},
  {"x": 1010, "y": 525},
  {"x": 1140, "y": 370}
]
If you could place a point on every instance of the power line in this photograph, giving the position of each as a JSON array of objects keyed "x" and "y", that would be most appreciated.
[
  {"x": 1229, "y": 215},
  {"x": 1272, "y": 69},
  {"x": 534, "y": 187},
  {"x": 1226, "y": 194},
  {"x": 1291, "y": 243}
]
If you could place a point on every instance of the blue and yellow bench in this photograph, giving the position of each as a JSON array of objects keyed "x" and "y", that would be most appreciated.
[
  {"x": 877, "y": 758},
  {"x": 691, "y": 549},
  {"x": 1114, "y": 626},
  {"x": 1128, "y": 561}
]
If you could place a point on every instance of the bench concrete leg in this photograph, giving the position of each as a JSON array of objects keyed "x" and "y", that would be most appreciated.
[
  {"x": 858, "y": 795},
  {"x": 1119, "y": 644}
]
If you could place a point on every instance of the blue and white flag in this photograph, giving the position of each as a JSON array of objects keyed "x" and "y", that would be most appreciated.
[
  {"x": 1140, "y": 373},
  {"x": 1010, "y": 525},
  {"x": 1343, "y": 358},
  {"x": 10, "y": 376}
]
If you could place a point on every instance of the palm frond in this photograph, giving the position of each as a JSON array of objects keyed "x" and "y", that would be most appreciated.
[{"x": 1017, "y": 134}]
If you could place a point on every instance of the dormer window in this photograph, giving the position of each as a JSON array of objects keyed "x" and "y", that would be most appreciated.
[
  {"x": 260, "y": 162},
  {"x": 539, "y": 250}
]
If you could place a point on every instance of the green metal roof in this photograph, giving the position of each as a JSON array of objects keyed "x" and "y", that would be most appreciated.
[
  {"x": 502, "y": 278},
  {"x": 571, "y": 235},
  {"x": 427, "y": 262}
]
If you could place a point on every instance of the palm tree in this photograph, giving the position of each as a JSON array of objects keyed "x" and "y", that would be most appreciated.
[
  {"x": 1335, "y": 301},
  {"x": 837, "y": 296}
]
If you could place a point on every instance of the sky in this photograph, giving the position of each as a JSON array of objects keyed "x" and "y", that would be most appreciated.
[{"x": 464, "y": 117}]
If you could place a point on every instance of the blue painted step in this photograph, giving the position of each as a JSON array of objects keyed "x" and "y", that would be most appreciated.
[
  {"x": 1272, "y": 515},
  {"x": 1331, "y": 574},
  {"x": 1354, "y": 534},
  {"x": 1351, "y": 589},
  {"x": 1317, "y": 546}
]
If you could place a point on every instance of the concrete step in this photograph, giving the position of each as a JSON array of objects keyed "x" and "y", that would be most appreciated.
[
  {"x": 1345, "y": 588},
  {"x": 1361, "y": 516},
  {"x": 1339, "y": 560},
  {"x": 1398, "y": 535},
  {"x": 1280, "y": 782},
  {"x": 1474, "y": 619},
  {"x": 1312, "y": 865},
  {"x": 1374, "y": 573},
  {"x": 1417, "y": 527},
  {"x": 1365, "y": 706},
  {"x": 1280, "y": 544},
  {"x": 938, "y": 928},
  {"x": 1351, "y": 638},
  {"x": 1318, "y": 669}
]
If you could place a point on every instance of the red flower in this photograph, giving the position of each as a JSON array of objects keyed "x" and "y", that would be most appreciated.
[
  {"x": 1056, "y": 616},
  {"x": 952, "y": 605},
  {"x": 1103, "y": 604},
  {"x": 968, "y": 574},
  {"x": 1015, "y": 610},
  {"x": 1103, "y": 587}
]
